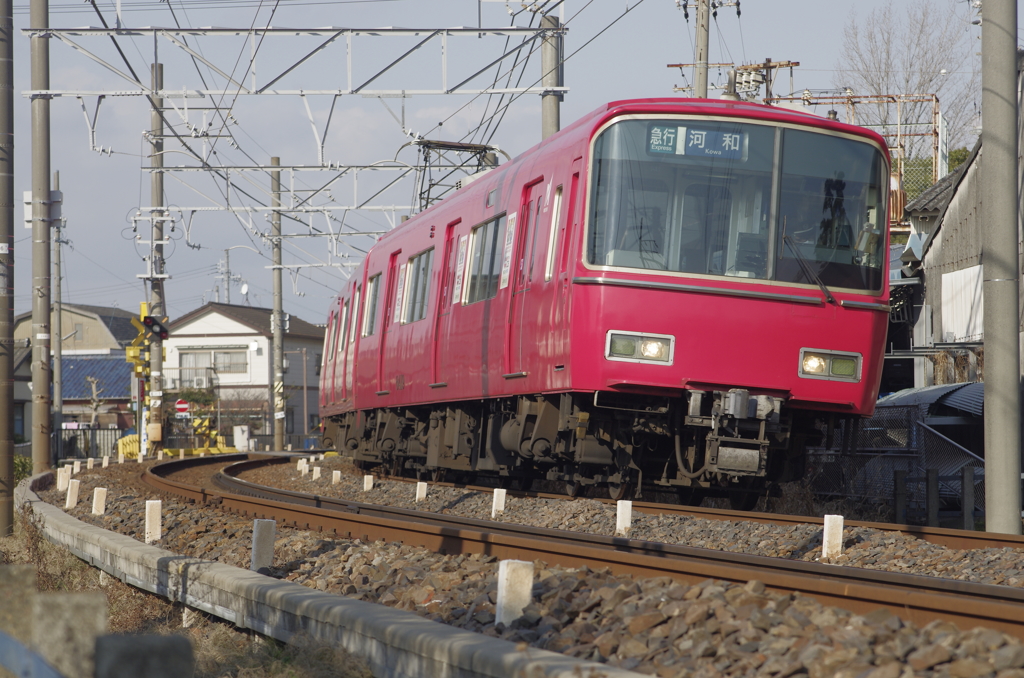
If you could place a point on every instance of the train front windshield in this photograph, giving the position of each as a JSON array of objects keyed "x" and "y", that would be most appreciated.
[{"x": 738, "y": 199}]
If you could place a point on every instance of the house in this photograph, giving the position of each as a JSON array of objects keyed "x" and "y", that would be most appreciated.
[
  {"x": 227, "y": 350},
  {"x": 92, "y": 347}
]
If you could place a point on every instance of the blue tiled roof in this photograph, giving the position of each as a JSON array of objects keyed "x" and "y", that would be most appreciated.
[{"x": 113, "y": 372}]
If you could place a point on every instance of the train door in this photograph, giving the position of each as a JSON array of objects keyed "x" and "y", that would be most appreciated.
[
  {"x": 521, "y": 276},
  {"x": 571, "y": 225},
  {"x": 445, "y": 299},
  {"x": 387, "y": 324}
]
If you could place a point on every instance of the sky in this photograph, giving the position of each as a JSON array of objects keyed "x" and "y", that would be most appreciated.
[{"x": 616, "y": 49}]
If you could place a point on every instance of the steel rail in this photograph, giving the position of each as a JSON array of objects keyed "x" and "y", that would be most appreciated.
[{"x": 915, "y": 598}]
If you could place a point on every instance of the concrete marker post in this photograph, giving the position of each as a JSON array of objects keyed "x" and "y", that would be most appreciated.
[
  {"x": 336, "y": 478},
  {"x": 88, "y": 463},
  {"x": 263, "y": 534},
  {"x": 160, "y": 455},
  {"x": 367, "y": 483},
  {"x": 421, "y": 491},
  {"x": 152, "y": 520},
  {"x": 72, "y": 499},
  {"x": 515, "y": 590},
  {"x": 99, "y": 501},
  {"x": 62, "y": 479},
  {"x": 106, "y": 461},
  {"x": 77, "y": 468},
  {"x": 120, "y": 457},
  {"x": 299, "y": 464},
  {"x": 181, "y": 453},
  {"x": 303, "y": 470},
  {"x": 76, "y": 619},
  {"x": 623, "y": 517},
  {"x": 151, "y": 656},
  {"x": 832, "y": 538},
  {"x": 316, "y": 473},
  {"x": 498, "y": 502}
]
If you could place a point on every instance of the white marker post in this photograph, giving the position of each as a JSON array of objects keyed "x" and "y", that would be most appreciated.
[
  {"x": 303, "y": 470},
  {"x": 159, "y": 455},
  {"x": 498, "y": 502},
  {"x": 421, "y": 491},
  {"x": 300, "y": 463},
  {"x": 106, "y": 461},
  {"x": 152, "y": 520},
  {"x": 316, "y": 473},
  {"x": 88, "y": 463},
  {"x": 367, "y": 483},
  {"x": 832, "y": 538},
  {"x": 263, "y": 535},
  {"x": 515, "y": 588},
  {"x": 63, "y": 474},
  {"x": 120, "y": 457},
  {"x": 623, "y": 517},
  {"x": 77, "y": 468},
  {"x": 181, "y": 453},
  {"x": 99, "y": 501},
  {"x": 72, "y": 499},
  {"x": 336, "y": 478}
]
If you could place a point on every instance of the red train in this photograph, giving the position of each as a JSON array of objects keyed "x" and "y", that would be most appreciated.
[{"x": 672, "y": 293}]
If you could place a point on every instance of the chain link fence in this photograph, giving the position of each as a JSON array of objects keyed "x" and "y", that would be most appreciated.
[{"x": 860, "y": 463}]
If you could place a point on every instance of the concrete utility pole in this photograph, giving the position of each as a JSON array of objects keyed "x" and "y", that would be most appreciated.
[
  {"x": 227, "y": 277},
  {"x": 278, "y": 312},
  {"x": 58, "y": 333},
  {"x": 1002, "y": 271},
  {"x": 551, "y": 67},
  {"x": 6, "y": 267},
  {"x": 157, "y": 307},
  {"x": 39, "y": 11},
  {"x": 701, "y": 57}
]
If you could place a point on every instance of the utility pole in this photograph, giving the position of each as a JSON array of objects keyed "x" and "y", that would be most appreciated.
[
  {"x": 58, "y": 333},
  {"x": 39, "y": 11},
  {"x": 701, "y": 57},
  {"x": 6, "y": 267},
  {"x": 157, "y": 308},
  {"x": 551, "y": 65},
  {"x": 277, "y": 315},
  {"x": 1001, "y": 286},
  {"x": 227, "y": 277}
]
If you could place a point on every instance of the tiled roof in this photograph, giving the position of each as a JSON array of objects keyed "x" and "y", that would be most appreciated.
[
  {"x": 934, "y": 197},
  {"x": 113, "y": 374},
  {"x": 256, "y": 318}
]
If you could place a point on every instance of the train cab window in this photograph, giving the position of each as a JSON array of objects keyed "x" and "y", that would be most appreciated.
[
  {"x": 484, "y": 265},
  {"x": 418, "y": 276},
  {"x": 556, "y": 217},
  {"x": 722, "y": 198},
  {"x": 370, "y": 308}
]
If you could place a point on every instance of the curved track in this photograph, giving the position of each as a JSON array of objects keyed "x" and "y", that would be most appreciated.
[{"x": 912, "y": 597}]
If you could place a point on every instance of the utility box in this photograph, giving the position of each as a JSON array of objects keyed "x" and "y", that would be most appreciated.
[
  {"x": 155, "y": 432},
  {"x": 241, "y": 438}
]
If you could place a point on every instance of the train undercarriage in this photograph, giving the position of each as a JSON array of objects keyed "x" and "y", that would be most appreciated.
[{"x": 706, "y": 443}]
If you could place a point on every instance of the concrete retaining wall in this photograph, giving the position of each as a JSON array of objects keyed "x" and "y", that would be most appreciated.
[{"x": 394, "y": 643}]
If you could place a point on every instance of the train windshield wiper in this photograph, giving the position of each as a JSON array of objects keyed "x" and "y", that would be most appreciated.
[{"x": 808, "y": 271}]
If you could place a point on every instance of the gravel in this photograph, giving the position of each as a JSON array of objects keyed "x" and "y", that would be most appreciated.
[{"x": 655, "y": 626}]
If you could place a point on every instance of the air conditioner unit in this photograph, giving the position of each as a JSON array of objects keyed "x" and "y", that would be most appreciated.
[{"x": 199, "y": 382}]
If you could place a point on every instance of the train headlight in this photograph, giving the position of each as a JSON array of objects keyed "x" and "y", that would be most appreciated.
[
  {"x": 834, "y": 365},
  {"x": 637, "y": 348},
  {"x": 654, "y": 349}
]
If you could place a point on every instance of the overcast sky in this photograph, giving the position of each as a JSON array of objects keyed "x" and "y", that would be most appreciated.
[{"x": 102, "y": 191}]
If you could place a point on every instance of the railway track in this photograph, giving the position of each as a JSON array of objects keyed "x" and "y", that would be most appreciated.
[{"x": 914, "y": 598}]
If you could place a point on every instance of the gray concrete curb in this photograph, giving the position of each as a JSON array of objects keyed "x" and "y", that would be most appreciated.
[{"x": 395, "y": 643}]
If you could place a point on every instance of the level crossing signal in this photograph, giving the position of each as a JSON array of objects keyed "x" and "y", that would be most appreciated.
[{"x": 155, "y": 326}]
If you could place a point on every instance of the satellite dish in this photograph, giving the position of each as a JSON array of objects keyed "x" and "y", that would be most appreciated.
[{"x": 245, "y": 288}]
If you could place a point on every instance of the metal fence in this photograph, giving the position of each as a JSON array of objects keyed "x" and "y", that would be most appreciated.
[
  {"x": 85, "y": 442},
  {"x": 861, "y": 463}
]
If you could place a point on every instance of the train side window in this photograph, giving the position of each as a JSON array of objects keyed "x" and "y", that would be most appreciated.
[
  {"x": 354, "y": 325},
  {"x": 370, "y": 312},
  {"x": 342, "y": 328},
  {"x": 556, "y": 220},
  {"x": 418, "y": 271},
  {"x": 485, "y": 260},
  {"x": 329, "y": 337}
]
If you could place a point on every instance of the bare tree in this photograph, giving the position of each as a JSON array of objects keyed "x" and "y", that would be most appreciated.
[{"x": 914, "y": 47}]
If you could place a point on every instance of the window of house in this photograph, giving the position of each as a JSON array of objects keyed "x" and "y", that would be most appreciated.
[
  {"x": 231, "y": 361},
  {"x": 370, "y": 314},
  {"x": 195, "y": 369},
  {"x": 419, "y": 270},
  {"x": 314, "y": 422},
  {"x": 485, "y": 260}
]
